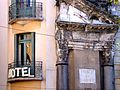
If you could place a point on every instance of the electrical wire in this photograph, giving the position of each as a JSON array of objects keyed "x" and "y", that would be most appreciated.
[
  {"x": 27, "y": 87},
  {"x": 24, "y": 30}
]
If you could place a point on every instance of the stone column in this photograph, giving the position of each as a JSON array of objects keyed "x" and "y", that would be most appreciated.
[
  {"x": 108, "y": 70},
  {"x": 117, "y": 59},
  {"x": 62, "y": 61}
]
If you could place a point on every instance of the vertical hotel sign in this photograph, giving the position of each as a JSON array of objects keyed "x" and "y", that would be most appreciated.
[{"x": 87, "y": 76}]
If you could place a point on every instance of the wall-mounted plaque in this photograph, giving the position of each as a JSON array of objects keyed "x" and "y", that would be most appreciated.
[{"x": 87, "y": 76}]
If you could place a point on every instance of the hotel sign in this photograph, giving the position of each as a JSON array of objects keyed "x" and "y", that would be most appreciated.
[{"x": 19, "y": 72}]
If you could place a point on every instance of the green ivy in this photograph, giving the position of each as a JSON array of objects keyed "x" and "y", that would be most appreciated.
[
  {"x": 117, "y": 19},
  {"x": 115, "y": 1}
]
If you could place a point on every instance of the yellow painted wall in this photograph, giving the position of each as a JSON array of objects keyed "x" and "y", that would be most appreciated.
[
  {"x": 40, "y": 51},
  {"x": 45, "y": 48},
  {"x": 26, "y": 85},
  {"x": 26, "y": 26},
  {"x": 39, "y": 27}
]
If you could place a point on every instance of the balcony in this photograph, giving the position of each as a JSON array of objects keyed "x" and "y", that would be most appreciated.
[
  {"x": 18, "y": 72},
  {"x": 25, "y": 11}
]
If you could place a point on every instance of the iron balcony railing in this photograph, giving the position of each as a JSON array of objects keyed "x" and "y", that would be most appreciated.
[
  {"x": 22, "y": 10},
  {"x": 25, "y": 71}
]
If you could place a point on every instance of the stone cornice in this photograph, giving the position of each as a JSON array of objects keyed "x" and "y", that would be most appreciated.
[{"x": 74, "y": 26}]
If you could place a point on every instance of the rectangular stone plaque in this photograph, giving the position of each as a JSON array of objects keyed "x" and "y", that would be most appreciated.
[{"x": 87, "y": 76}]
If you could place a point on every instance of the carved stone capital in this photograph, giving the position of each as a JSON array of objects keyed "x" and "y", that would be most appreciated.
[
  {"x": 62, "y": 47},
  {"x": 107, "y": 61}
]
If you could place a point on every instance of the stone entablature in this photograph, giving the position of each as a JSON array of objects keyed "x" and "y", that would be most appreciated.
[{"x": 72, "y": 35}]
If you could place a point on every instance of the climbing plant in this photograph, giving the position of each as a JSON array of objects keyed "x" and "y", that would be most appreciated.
[{"x": 115, "y": 1}]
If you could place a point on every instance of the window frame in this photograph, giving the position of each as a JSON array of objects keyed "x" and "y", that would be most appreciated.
[{"x": 16, "y": 51}]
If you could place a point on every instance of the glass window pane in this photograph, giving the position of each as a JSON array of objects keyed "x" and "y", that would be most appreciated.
[
  {"x": 21, "y": 37},
  {"x": 25, "y": 54},
  {"x": 28, "y": 36},
  {"x": 25, "y": 37},
  {"x": 28, "y": 52},
  {"x": 21, "y": 55}
]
